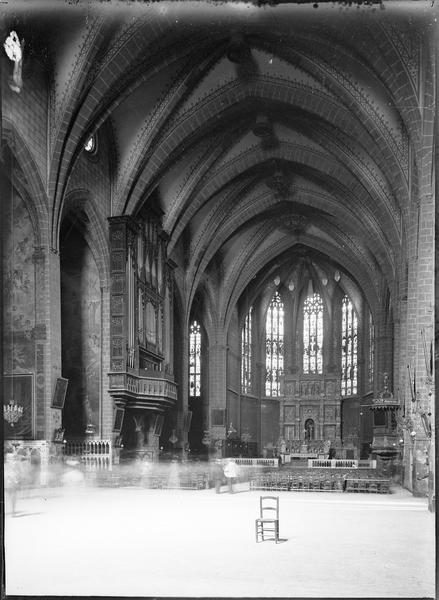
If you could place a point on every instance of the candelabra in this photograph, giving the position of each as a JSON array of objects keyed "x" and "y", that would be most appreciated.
[{"x": 12, "y": 412}]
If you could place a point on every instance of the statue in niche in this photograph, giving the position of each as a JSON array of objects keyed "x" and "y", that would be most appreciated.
[{"x": 139, "y": 429}]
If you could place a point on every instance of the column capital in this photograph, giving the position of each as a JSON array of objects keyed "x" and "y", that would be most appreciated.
[{"x": 39, "y": 254}]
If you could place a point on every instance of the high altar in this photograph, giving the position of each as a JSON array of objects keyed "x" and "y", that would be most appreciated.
[{"x": 311, "y": 417}]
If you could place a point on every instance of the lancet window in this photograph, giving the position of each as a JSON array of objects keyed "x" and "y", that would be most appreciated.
[
  {"x": 371, "y": 351},
  {"x": 195, "y": 359},
  {"x": 313, "y": 334},
  {"x": 274, "y": 346},
  {"x": 349, "y": 326},
  {"x": 247, "y": 353}
]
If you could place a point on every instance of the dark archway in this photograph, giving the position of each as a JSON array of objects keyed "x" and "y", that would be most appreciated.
[{"x": 80, "y": 331}]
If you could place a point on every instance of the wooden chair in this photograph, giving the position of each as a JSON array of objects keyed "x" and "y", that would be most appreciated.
[{"x": 268, "y": 505}]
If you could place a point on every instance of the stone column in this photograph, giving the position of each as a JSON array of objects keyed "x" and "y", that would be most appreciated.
[
  {"x": 51, "y": 292},
  {"x": 424, "y": 405},
  {"x": 39, "y": 258},
  {"x": 217, "y": 374}
]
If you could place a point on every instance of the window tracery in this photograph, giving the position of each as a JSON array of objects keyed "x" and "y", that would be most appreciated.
[
  {"x": 371, "y": 350},
  {"x": 247, "y": 353},
  {"x": 313, "y": 334},
  {"x": 274, "y": 346},
  {"x": 349, "y": 325},
  {"x": 195, "y": 359}
]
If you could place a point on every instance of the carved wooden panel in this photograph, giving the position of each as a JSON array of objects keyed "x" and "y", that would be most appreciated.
[
  {"x": 290, "y": 414},
  {"x": 290, "y": 388},
  {"x": 312, "y": 388},
  {"x": 117, "y": 305},
  {"x": 118, "y": 261},
  {"x": 330, "y": 389},
  {"x": 310, "y": 412},
  {"x": 330, "y": 413},
  {"x": 289, "y": 432},
  {"x": 329, "y": 432},
  {"x": 117, "y": 284}
]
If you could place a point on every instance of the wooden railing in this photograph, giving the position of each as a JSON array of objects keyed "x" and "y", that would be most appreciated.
[
  {"x": 96, "y": 454},
  {"x": 341, "y": 463},
  {"x": 157, "y": 386},
  {"x": 257, "y": 462}
]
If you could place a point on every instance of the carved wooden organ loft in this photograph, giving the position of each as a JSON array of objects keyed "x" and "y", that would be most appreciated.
[{"x": 141, "y": 315}]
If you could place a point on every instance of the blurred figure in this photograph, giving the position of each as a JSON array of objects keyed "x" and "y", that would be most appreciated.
[
  {"x": 146, "y": 472},
  {"x": 231, "y": 472},
  {"x": 13, "y": 476},
  {"x": 217, "y": 475},
  {"x": 174, "y": 475},
  {"x": 73, "y": 475}
]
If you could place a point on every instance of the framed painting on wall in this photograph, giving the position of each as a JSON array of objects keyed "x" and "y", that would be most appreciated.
[
  {"x": 59, "y": 394},
  {"x": 158, "y": 424},
  {"x": 18, "y": 406},
  {"x": 119, "y": 414}
]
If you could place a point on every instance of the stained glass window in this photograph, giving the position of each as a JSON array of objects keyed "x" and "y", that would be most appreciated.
[
  {"x": 274, "y": 346},
  {"x": 195, "y": 359},
  {"x": 313, "y": 334},
  {"x": 246, "y": 353},
  {"x": 371, "y": 350},
  {"x": 348, "y": 348}
]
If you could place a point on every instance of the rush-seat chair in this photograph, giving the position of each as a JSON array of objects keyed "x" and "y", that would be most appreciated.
[{"x": 268, "y": 521}]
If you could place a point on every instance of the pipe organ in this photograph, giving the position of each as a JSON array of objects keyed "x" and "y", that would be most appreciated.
[{"x": 141, "y": 314}]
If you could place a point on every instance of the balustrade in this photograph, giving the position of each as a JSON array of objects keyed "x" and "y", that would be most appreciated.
[
  {"x": 156, "y": 387},
  {"x": 95, "y": 454},
  {"x": 257, "y": 462},
  {"x": 341, "y": 463}
]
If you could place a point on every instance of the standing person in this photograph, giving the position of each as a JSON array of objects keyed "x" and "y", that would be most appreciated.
[
  {"x": 231, "y": 472},
  {"x": 12, "y": 480},
  {"x": 217, "y": 475}
]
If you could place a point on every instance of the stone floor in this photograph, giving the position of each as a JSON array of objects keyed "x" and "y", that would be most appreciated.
[{"x": 78, "y": 541}]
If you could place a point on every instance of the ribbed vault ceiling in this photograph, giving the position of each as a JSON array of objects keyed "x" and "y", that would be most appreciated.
[{"x": 181, "y": 88}]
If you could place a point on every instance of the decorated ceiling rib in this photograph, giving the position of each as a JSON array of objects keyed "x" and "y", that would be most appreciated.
[{"x": 230, "y": 119}]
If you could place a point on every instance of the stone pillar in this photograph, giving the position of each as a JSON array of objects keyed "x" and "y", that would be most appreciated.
[
  {"x": 424, "y": 405},
  {"x": 106, "y": 408},
  {"x": 39, "y": 259},
  {"x": 51, "y": 291},
  {"x": 183, "y": 404},
  {"x": 217, "y": 374}
]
